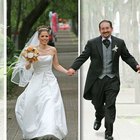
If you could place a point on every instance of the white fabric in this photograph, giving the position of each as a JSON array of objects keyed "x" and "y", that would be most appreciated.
[
  {"x": 20, "y": 75},
  {"x": 39, "y": 109},
  {"x": 33, "y": 40},
  {"x": 50, "y": 18}
]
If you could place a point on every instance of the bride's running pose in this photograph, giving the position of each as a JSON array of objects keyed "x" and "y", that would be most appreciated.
[{"x": 39, "y": 109}]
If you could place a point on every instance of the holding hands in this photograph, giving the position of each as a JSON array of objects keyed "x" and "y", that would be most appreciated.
[
  {"x": 71, "y": 72},
  {"x": 28, "y": 65},
  {"x": 138, "y": 68}
]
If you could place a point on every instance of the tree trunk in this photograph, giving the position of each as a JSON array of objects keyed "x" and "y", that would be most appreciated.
[
  {"x": 9, "y": 3},
  {"x": 18, "y": 19},
  {"x": 29, "y": 21},
  {"x": 75, "y": 25}
]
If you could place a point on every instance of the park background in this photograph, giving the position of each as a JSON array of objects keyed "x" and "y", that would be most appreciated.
[{"x": 23, "y": 18}]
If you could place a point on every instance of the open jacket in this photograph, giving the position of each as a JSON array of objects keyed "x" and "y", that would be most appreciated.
[{"x": 93, "y": 49}]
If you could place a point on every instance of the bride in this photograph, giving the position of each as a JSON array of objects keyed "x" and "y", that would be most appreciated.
[{"x": 39, "y": 109}]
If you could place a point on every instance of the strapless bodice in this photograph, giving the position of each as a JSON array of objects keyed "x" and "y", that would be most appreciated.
[{"x": 44, "y": 64}]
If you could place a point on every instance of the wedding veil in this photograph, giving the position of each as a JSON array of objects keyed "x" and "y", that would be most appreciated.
[{"x": 21, "y": 76}]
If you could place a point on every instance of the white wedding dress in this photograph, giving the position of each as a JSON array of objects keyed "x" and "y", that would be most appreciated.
[{"x": 39, "y": 109}]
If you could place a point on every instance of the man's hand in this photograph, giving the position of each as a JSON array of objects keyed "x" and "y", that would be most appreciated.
[
  {"x": 138, "y": 68},
  {"x": 71, "y": 72}
]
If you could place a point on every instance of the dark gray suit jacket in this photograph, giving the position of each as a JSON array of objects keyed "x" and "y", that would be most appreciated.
[{"x": 93, "y": 49}]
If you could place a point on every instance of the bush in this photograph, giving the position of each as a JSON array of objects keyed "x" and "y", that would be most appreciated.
[
  {"x": 10, "y": 50},
  {"x": 10, "y": 85}
]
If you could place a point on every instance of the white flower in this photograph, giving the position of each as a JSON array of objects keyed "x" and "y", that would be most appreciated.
[
  {"x": 115, "y": 48},
  {"x": 30, "y": 55}
]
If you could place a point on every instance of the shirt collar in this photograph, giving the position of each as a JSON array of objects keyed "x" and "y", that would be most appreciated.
[{"x": 109, "y": 38}]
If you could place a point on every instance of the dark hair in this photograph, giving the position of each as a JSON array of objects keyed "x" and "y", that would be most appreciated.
[
  {"x": 43, "y": 28},
  {"x": 108, "y": 21}
]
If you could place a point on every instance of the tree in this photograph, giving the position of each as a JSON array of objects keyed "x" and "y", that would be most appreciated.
[
  {"x": 67, "y": 9},
  {"x": 9, "y": 18},
  {"x": 23, "y": 17},
  {"x": 29, "y": 20},
  {"x": 26, "y": 16},
  {"x": 18, "y": 18}
]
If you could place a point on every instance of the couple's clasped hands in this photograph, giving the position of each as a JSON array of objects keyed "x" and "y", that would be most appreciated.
[
  {"x": 138, "y": 68},
  {"x": 71, "y": 72}
]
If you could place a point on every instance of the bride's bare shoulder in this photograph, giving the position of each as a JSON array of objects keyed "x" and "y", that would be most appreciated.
[{"x": 52, "y": 48}]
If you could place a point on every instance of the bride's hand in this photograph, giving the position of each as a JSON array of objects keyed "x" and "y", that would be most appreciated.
[
  {"x": 71, "y": 72},
  {"x": 28, "y": 65}
]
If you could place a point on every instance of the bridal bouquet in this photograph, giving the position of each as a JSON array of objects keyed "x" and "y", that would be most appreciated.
[{"x": 30, "y": 54}]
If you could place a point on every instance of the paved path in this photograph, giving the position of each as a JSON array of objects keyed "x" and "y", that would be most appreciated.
[
  {"x": 126, "y": 127},
  {"x": 128, "y": 115}
]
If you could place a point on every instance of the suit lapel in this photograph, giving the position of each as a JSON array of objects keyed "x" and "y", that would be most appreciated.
[
  {"x": 113, "y": 46},
  {"x": 99, "y": 46}
]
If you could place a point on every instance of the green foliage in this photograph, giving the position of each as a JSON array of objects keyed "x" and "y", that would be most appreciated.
[
  {"x": 10, "y": 51},
  {"x": 10, "y": 59},
  {"x": 26, "y": 8},
  {"x": 65, "y": 8},
  {"x": 10, "y": 85}
]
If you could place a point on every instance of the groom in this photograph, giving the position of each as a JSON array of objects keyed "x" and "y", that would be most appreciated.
[{"x": 103, "y": 81}]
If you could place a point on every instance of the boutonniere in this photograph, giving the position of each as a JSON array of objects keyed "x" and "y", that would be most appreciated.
[{"x": 115, "y": 48}]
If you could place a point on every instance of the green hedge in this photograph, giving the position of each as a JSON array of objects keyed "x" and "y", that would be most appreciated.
[{"x": 11, "y": 52}]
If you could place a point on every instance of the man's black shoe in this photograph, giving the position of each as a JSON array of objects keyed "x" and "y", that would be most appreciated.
[
  {"x": 97, "y": 124},
  {"x": 107, "y": 137}
]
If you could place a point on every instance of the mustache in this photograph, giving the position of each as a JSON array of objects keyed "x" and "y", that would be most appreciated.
[{"x": 105, "y": 32}]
